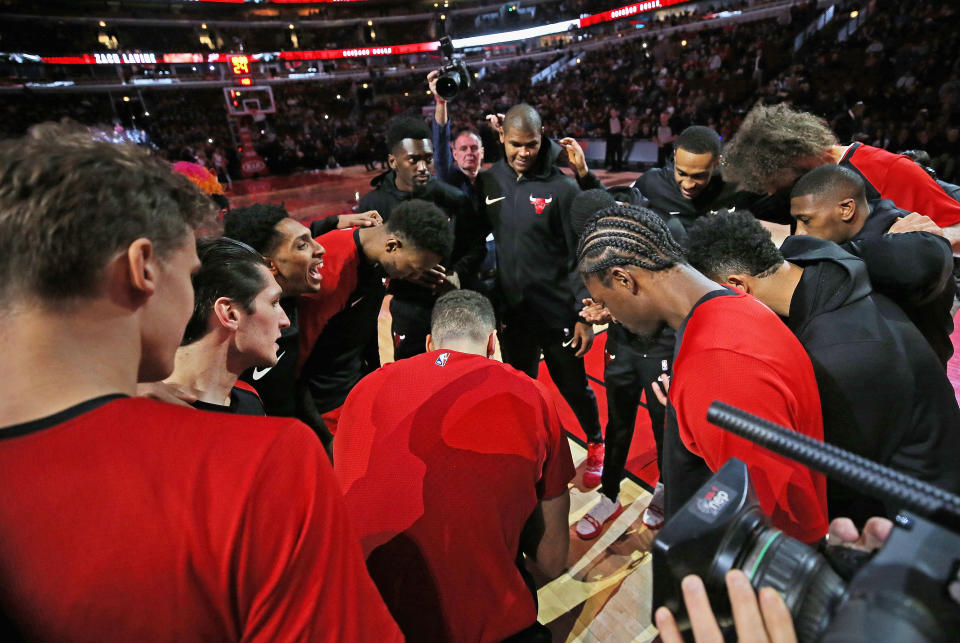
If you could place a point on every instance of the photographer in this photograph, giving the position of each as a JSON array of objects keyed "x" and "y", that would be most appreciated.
[
  {"x": 458, "y": 163},
  {"x": 462, "y": 169},
  {"x": 768, "y": 618}
]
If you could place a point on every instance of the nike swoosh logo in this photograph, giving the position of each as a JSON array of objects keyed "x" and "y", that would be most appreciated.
[
  {"x": 258, "y": 374},
  {"x": 489, "y": 200}
]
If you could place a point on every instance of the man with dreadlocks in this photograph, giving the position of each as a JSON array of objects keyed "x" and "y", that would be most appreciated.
[{"x": 730, "y": 347}]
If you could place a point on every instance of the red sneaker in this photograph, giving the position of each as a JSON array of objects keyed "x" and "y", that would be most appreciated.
[
  {"x": 594, "y": 469},
  {"x": 600, "y": 514}
]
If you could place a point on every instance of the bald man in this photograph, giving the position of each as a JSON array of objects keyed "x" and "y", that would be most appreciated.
[{"x": 527, "y": 202}]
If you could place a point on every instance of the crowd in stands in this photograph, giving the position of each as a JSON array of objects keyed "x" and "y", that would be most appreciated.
[
  {"x": 720, "y": 74},
  {"x": 61, "y": 37}
]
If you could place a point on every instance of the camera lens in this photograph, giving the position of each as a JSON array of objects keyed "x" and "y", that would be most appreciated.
[
  {"x": 723, "y": 527},
  {"x": 810, "y": 588},
  {"x": 448, "y": 84}
]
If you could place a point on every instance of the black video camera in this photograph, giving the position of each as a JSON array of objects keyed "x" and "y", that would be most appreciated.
[
  {"x": 454, "y": 76},
  {"x": 909, "y": 590}
]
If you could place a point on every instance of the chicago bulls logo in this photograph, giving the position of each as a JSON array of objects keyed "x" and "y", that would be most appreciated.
[{"x": 539, "y": 203}]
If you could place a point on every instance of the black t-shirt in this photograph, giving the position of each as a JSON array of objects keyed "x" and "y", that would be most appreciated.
[{"x": 242, "y": 402}]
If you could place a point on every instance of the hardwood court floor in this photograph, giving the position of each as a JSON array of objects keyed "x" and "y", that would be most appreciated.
[{"x": 605, "y": 595}]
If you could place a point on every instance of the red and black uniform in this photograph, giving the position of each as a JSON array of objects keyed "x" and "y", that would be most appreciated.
[
  {"x": 338, "y": 326},
  {"x": 126, "y": 519},
  {"x": 734, "y": 349},
  {"x": 244, "y": 400},
  {"x": 412, "y": 304},
  {"x": 442, "y": 458},
  {"x": 896, "y": 177}
]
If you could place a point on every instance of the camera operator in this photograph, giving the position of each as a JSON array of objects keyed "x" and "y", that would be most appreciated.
[
  {"x": 462, "y": 169},
  {"x": 458, "y": 163},
  {"x": 759, "y": 618}
]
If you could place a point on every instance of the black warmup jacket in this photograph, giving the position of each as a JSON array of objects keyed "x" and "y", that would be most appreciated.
[
  {"x": 882, "y": 391},
  {"x": 914, "y": 269},
  {"x": 536, "y": 245},
  {"x": 469, "y": 230},
  {"x": 659, "y": 186}
]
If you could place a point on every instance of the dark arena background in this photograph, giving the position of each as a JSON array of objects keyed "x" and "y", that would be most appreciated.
[{"x": 288, "y": 101}]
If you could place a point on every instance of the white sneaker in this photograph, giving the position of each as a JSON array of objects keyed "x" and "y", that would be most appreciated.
[
  {"x": 653, "y": 514},
  {"x": 603, "y": 512}
]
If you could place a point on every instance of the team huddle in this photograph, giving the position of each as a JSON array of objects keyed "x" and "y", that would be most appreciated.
[{"x": 330, "y": 485}]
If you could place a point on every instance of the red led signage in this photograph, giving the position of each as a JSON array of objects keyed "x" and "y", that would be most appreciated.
[{"x": 240, "y": 65}]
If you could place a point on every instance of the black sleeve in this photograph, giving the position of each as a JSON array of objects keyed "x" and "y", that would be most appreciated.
[
  {"x": 470, "y": 248},
  {"x": 589, "y": 181},
  {"x": 308, "y": 414},
  {"x": 913, "y": 267},
  {"x": 579, "y": 289},
  {"x": 323, "y": 226}
]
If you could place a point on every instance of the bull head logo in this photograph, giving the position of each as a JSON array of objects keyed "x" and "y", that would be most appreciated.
[{"x": 539, "y": 203}]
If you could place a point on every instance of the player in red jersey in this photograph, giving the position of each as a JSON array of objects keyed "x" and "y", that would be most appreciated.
[
  {"x": 453, "y": 465},
  {"x": 235, "y": 325},
  {"x": 776, "y": 145},
  {"x": 730, "y": 347},
  {"x": 338, "y": 324},
  {"x": 126, "y": 518}
]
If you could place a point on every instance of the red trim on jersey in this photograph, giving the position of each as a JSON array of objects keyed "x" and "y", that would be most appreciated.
[
  {"x": 246, "y": 387},
  {"x": 736, "y": 350},
  {"x": 340, "y": 264},
  {"x": 899, "y": 179}
]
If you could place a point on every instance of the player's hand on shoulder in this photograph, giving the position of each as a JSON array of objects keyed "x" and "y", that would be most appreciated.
[
  {"x": 915, "y": 222},
  {"x": 366, "y": 219}
]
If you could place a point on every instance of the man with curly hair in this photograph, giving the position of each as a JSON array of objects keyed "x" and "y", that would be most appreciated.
[
  {"x": 776, "y": 145},
  {"x": 859, "y": 342},
  {"x": 338, "y": 328}
]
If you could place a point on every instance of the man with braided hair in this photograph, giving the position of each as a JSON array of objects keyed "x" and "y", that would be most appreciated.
[{"x": 730, "y": 347}]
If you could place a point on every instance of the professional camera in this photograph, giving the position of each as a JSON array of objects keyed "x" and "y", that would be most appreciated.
[
  {"x": 907, "y": 591},
  {"x": 454, "y": 75}
]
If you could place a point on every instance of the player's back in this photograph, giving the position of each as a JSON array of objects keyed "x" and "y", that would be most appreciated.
[
  {"x": 129, "y": 519},
  {"x": 442, "y": 458}
]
